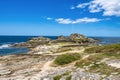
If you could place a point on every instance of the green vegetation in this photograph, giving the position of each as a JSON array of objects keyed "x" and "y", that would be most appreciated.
[
  {"x": 91, "y": 59},
  {"x": 83, "y": 63},
  {"x": 97, "y": 58},
  {"x": 66, "y": 73},
  {"x": 63, "y": 49},
  {"x": 94, "y": 63},
  {"x": 103, "y": 68},
  {"x": 67, "y": 58},
  {"x": 113, "y": 48},
  {"x": 68, "y": 77},
  {"x": 57, "y": 77}
]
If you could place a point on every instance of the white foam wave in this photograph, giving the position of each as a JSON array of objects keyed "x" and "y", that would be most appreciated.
[{"x": 5, "y": 46}]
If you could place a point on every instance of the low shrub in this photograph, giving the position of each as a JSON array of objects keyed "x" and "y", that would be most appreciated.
[
  {"x": 68, "y": 77},
  {"x": 63, "y": 49},
  {"x": 67, "y": 58},
  {"x": 57, "y": 77},
  {"x": 113, "y": 48},
  {"x": 94, "y": 63},
  {"x": 83, "y": 63}
]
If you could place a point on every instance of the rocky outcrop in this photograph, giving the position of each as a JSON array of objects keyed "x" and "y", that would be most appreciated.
[
  {"x": 74, "y": 38},
  {"x": 62, "y": 38},
  {"x": 41, "y": 40},
  {"x": 23, "y": 44},
  {"x": 114, "y": 63},
  {"x": 33, "y": 42},
  {"x": 79, "y": 38},
  {"x": 37, "y": 67},
  {"x": 39, "y": 63},
  {"x": 20, "y": 67}
]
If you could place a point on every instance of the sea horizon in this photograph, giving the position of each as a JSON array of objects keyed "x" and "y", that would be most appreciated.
[
  {"x": 59, "y": 40},
  {"x": 8, "y": 40},
  {"x": 57, "y": 35}
]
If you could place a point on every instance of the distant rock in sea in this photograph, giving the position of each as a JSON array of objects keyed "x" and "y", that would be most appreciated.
[{"x": 74, "y": 38}]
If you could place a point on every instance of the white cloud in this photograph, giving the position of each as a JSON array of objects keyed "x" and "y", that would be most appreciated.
[
  {"x": 86, "y": 20},
  {"x": 72, "y": 8},
  {"x": 109, "y": 8},
  {"x": 93, "y": 7},
  {"x": 80, "y": 20},
  {"x": 48, "y": 18},
  {"x": 64, "y": 21},
  {"x": 82, "y": 5}
]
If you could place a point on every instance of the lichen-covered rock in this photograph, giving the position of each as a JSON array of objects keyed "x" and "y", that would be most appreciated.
[
  {"x": 82, "y": 75},
  {"x": 62, "y": 38},
  {"x": 79, "y": 38},
  {"x": 40, "y": 39},
  {"x": 111, "y": 77},
  {"x": 23, "y": 44},
  {"x": 74, "y": 38},
  {"x": 33, "y": 42}
]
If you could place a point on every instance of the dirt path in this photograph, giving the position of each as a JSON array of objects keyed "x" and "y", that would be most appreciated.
[
  {"x": 47, "y": 66},
  {"x": 73, "y": 51}
]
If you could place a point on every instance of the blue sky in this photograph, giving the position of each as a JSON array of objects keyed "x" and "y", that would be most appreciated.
[{"x": 60, "y": 17}]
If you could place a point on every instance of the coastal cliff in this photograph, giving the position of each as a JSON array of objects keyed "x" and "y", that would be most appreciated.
[{"x": 75, "y": 57}]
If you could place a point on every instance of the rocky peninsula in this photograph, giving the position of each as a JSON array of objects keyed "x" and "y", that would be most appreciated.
[{"x": 75, "y": 57}]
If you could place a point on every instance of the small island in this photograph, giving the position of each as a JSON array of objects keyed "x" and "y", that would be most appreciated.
[{"x": 74, "y": 57}]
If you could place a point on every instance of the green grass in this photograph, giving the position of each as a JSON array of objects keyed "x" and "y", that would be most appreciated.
[
  {"x": 63, "y": 49},
  {"x": 66, "y": 73},
  {"x": 95, "y": 65},
  {"x": 96, "y": 58},
  {"x": 57, "y": 77},
  {"x": 103, "y": 69},
  {"x": 113, "y": 48},
  {"x": 83, "y": 63},
  {"x": 93, "y": 62},
  {"x": 68, "y": 77},
  {"x": 91, "y": 59},
  {"x": 67, "y": 58}
]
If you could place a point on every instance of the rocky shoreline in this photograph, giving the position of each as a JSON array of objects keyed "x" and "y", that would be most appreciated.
[
  {"x": 38, "y": 64},
  {"x": 73, "y": 38}
]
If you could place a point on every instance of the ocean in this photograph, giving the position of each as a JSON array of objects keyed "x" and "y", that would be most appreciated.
[{"x": 7, "y": 41}]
